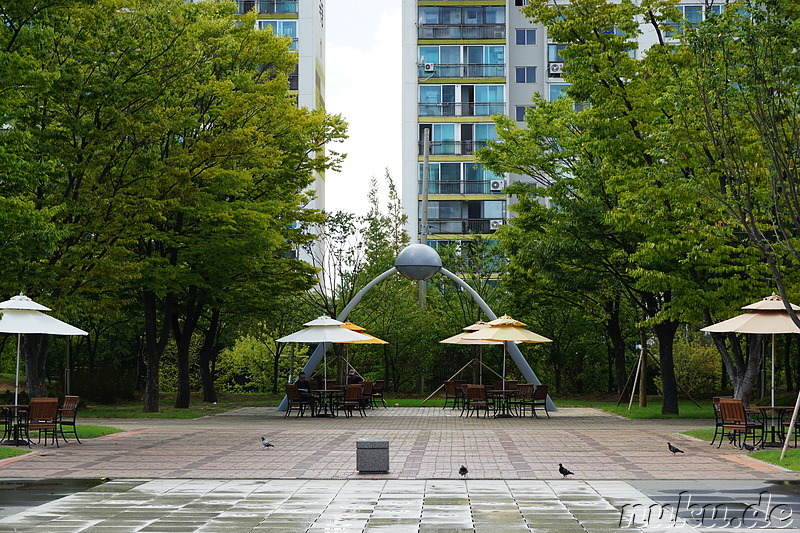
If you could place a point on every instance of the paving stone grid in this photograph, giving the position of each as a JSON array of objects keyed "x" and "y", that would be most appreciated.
[{"x": 213, "y": 474}]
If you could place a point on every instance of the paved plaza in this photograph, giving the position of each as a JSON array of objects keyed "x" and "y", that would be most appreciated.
[{"x": 213, "y": 474}]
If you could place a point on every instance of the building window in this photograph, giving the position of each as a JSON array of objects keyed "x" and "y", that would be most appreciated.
[
  {"x": 557, "y": 90},
  {"x": 283, "y": 28},
  {"x": 520, "y": 2},
  {"x": 525, "y": 74},
  {"x": 519, "y": 112},
  {"x": 525, "y": 36}
]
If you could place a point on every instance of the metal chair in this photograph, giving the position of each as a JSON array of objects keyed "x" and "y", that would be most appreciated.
[
  {"x": 717, "y": 418},
  {"x": 540, "y": 400},
  {"x": 377, "y": 392},
  {"x": 67, "y": 414},
  {"x": 451, "y": 393},
  {"x": 523, "y": 398}
]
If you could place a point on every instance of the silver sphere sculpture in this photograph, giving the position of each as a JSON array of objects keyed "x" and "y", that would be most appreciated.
[{"x": 418, "y": 261}]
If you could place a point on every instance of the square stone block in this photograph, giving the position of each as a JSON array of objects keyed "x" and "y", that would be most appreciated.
[{"x": 372, "y": 455}]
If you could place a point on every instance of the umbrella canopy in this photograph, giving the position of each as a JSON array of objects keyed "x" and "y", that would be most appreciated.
[
  {"x": 24, "y": 322},
  {"x": 355, "y": 327},
  {"x": 324, "y": 329},
  {"x": 506, "y": 329},
  {"x": 21, "y": 301},
  {"x": 766, "y": 317},
  {"x": 459, "y": 338},
  {"x": 21, "y": 315}
]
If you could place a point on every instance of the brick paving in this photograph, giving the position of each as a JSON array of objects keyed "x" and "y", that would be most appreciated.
[
  {"x": 213, "y": 474},
  {"x": 424, "y": 443}
]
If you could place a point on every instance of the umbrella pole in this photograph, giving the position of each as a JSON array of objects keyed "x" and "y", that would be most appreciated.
[
  {"x": 291, "y": 361},
  {"x": 16, "y": 383},
  {"x": 772, "y": 375},
  {"x": 504, "y": 365}
]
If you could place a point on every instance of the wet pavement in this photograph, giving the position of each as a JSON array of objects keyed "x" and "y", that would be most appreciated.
[{"x": 213, "y": 474}]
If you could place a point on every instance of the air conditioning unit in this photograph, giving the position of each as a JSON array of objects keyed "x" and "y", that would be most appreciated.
[
  {"x": 497, "y": 185},
  {"x": 429, "y": 67},
  {"x": 555, "y": 69},
  {"x": 495, "y": 223}
]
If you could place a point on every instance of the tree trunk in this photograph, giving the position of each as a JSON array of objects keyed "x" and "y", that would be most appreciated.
[
  {"x": 665, "y": 332},
  {"x": 614, "y": 330},
  {"x": 741, "y": 374},
  {"x": 155, "y": 342},
  {"x": 207, "y": 356},
  {"x": 183, "y": 340},
  {"x": 34, "y": 348}
]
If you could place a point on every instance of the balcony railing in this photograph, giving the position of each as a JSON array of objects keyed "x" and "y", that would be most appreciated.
[
  {"x": 458, "y": 186},
  {"x": 461, "y": 31},
  {"x": 463, "y": 226},
  {"x": 453, "y": 147},
  {"x": 266, "y": 7},
  {"x": 463, "y": 70},
  {"x": 461, "y": 109}
]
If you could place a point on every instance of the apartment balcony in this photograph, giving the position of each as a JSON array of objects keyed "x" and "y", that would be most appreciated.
[
  {"x": 461, "y": 109},
  {"x": 461, "y": 31},
  {"x": 453, "y": 147},
  {"x": 266, "y": 7},
  {"x": 464, "y": 186},
  {"x": 462, "y": 70},
  {"x": 463, "y": 226}
]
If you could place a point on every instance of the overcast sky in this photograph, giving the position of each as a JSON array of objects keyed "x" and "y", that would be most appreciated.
[{"x": 363, "y": 83}]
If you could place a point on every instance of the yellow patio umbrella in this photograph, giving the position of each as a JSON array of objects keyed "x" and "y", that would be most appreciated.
[
  {"x": 459, "y": 338},
  {"x": 506, "y": 329}
]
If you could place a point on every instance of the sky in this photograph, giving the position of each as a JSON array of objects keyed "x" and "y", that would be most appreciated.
[{"x": 363, "y": 84}]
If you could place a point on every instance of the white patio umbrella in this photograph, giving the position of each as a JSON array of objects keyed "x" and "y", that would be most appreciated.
[
  {"x": 21, "y": 315},
  {"x": 506, "y": 329},
  {"x": 767, "y": 316},
  {"x": 323, "y": 330}
]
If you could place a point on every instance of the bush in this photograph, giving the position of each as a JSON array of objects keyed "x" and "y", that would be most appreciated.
[
  {"x": 698, "y": 367},
  {"x": 103, "y": 386}
]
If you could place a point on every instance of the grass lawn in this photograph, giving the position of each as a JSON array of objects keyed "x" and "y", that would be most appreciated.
[
  {"x": 686, "y": 409},
  {"x": 791, "y": 461},
  {"x": 166, "y": 409},
  {"x": 84, "y": 432}
]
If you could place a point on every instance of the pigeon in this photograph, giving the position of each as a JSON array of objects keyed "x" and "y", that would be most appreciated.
[
  {"x": 463, "y": 470},
  {"x": 673, "y": 449},
  {"x": 750, "y": 448},
  {"x": 266, "y": 443},
  {"x": 563, "y": 471}
]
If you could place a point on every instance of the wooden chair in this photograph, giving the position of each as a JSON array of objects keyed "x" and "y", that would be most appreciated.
[
  {"x": 736, "y": 421},
  {"x": 540, "y": 400},
  {"x": 352, "y": 400},
  {"x": 67, "y": 414},
  {"x": 451, "y": 393},
  {"x": 377, "y": 392},
  {"x": 295, "y": 400},
  {"x": 523, "y": 398},
  {"x": 476, "y": 400},
  {"x": 42, "y": 416}
]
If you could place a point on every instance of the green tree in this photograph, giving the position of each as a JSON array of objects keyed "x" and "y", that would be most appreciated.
[{"x": 173, "y": 162}]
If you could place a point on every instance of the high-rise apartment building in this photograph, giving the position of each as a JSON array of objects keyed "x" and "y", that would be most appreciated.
[
  {"x": 463, "y": 61},
  {"x": 304, "y": 22}
]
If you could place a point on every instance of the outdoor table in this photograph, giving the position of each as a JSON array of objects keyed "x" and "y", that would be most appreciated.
[
  {"x": 325, "y": 399},
  {"x": 13, "y": 415},
  {"x": 772, "y": 421},
  {"x": 501, "y": 397}
]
